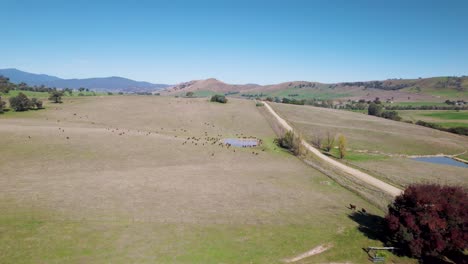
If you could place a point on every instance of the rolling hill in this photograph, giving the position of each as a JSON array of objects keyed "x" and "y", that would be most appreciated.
[
  {"x": 422, "y": 89},
  {"x": 114, "y": 84}
]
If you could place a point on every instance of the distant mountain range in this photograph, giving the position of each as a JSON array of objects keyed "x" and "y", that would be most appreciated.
[
  {"x": 111, "y": 84},
  {"x": 420, "y": 89}
]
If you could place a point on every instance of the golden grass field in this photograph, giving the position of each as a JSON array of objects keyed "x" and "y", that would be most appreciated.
[{"x": 110, "y": 180}]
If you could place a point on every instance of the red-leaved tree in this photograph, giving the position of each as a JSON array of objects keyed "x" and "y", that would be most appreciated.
[{"x": 429, "y": 220}]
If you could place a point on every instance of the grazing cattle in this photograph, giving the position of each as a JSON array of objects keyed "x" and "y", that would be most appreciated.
[{"x": 352, "y": 207}]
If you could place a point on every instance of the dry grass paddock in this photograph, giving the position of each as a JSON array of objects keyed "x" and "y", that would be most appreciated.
[{"x": 138, "y": 179}]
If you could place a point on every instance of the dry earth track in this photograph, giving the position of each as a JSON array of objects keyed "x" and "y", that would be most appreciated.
[{"x": 351, "y": 171}]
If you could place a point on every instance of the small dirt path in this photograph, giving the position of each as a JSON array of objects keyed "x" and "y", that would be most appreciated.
[
  {"x": 392, "y": 190},
  {"x": 316, "y": 250}
]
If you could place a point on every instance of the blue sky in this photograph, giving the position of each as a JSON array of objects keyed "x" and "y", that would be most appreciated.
[{"x": 236, "y": 41}]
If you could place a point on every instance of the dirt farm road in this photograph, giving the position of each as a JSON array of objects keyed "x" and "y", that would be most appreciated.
[{"x": 351, "y": 171}]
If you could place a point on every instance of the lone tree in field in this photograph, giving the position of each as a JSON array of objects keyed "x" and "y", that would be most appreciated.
[
  {"x": 20, "y": 102},
  {"x": 375, "y": 109},
  {"x": 329, "y": 141},
  {"x": 219, "y": 98},
  {"x": 430, "y": 220},
  {"x": 56, "y": 96},
  {"x": 317, "y": 141},
  {"x": 342, "y": 146}
]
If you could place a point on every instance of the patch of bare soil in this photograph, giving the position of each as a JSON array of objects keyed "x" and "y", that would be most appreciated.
[{"x": 316, "y": 250}]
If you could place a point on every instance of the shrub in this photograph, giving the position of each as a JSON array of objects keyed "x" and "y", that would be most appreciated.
[
  {"x": 290, "y": 141},
  {"x": 429, "y": 220},
  {"x": 189, "y": 94},
  {"x": 393, "y": 115},
  {"x": 259, "y": 104},
  {"x": 375, "y": 109},
  {"x": 219, "y": 98},
  {"x": 56, "y": 96},
  {"x": 36, "y": 103},
  {"x": 459, "y": 130},
  {"x": 20, "y": 102},
  {"x": 428, "y": 124},
  {"x": 2, "y": 105}
]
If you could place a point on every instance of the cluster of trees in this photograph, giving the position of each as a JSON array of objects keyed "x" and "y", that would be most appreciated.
[
  {"x": 376, "y": 109},
  {"x": 456, "y": 102},
  {"x": 302, "y": 85},
  {"x": 427, "y": 107},
  {"x": 327, "y": 143},
  {"x": 82, "y": 89},
  {"x": 144, "y": 93},
  {"x": 6, "y": 85},
  {"x": 230, "y": 93},
  {"x": 451, "y": 82},
  {"x": 260, "y": 95},
  {"x": 291, "y": 142},
  {"x": 22, "y": 103},
  {"x": 293, "y": 101},
  {"x": 219, "y": 98},
  {"x": 430, "y": 221},
  {"x": 189, "y": 94},
  {"x": 451, "y": 105},
  {"x": 312, "y": 101},
  {"x": 379, "y": 85},
  {"x": 359, "y": 105}
]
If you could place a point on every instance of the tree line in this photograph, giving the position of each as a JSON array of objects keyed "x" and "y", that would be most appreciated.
[{"x": 21, "y": 102}]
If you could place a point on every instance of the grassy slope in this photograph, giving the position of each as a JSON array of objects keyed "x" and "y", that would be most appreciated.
[
  {"x": 375, "y": 143},
  {"x": 445, "y": 118},
  {"x": 430, "y": 90},
  {"x": 305, "y": 93},
  {"x": 432, "y": 86},
  {"x": 148, "y": 198}
]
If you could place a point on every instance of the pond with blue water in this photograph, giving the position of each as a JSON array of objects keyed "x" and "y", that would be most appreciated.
[
  {"x": 442, "y": 160},
  {"x": 241, "y": 142}
]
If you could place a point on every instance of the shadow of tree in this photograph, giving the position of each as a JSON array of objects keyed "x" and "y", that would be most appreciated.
[{"x": 372, "y": 226}]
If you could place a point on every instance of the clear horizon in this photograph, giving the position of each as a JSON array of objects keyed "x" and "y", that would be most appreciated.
[{"x": 237, "y": 42}]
